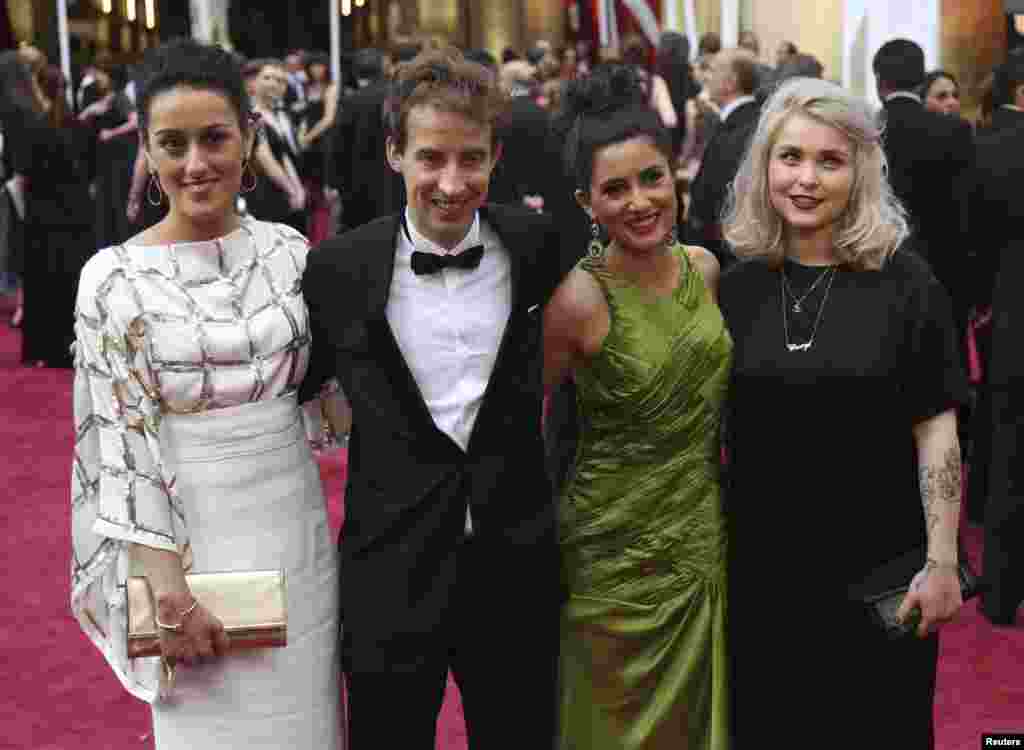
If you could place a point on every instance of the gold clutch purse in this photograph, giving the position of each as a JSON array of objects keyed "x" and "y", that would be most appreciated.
[{"x": 251, "y": 604}]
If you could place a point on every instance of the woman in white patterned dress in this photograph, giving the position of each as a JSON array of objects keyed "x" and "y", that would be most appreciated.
[{"x": 191, "y": 341}]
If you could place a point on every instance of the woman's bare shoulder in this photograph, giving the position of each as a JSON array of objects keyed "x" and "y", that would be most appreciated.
[{"x": 578, "y": 297}]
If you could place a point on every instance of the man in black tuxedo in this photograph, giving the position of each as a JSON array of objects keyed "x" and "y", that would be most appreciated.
[
  {"x": 430, "y": 320},
  {"x": 731, "y": 86},
  {"x": 930, "y": 161}
]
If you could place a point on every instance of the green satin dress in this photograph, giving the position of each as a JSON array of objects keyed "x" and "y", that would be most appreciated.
[{"x": 644, "y": 660}]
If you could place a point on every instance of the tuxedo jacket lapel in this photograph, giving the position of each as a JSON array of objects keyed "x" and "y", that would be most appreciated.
[
  {"x": 513, "y": 236},
  {"x": 367, "y": 328}
]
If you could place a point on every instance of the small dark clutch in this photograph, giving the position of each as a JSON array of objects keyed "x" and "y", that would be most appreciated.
[{"x": 883, "y": 602}]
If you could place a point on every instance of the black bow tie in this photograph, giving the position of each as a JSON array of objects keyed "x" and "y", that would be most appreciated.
[{"x": 432, "y": 263}]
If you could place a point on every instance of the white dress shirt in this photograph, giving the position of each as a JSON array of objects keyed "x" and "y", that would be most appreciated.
[
  {"x": 735, "y": 104},
  {"x": 903, "y": 95},
  {"x": 449, "y": 325}
]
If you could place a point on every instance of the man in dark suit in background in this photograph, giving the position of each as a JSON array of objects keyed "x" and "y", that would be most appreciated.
[
  {"x": 930, "y": 161},
  {"x": 731, "y": 86},
  {"x": 431, "y": 321},
  {"x": 1008, "y": 95},
  {"x": 996, "y": 489},
  {"x": 530, "y": 166},
  {"x": 368, "y": 186}
]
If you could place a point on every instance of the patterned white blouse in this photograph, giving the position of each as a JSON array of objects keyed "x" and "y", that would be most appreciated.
[{"x": 167, "y": 329}]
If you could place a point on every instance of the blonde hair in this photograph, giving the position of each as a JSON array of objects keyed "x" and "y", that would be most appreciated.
[{"x": 874, "y": 223}]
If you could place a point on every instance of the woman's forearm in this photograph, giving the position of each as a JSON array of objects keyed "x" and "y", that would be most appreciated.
[
  {"x": 130, "y": 126},
  {"x": 293, "y": 174},
  {"x": 940, "y": 476}
]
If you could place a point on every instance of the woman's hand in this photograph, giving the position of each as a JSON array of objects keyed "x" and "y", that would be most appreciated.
[
  {"x": 200, "y": 637},
  {"x": 935, "y": 591},
  {"x": 134, "y": 208}
]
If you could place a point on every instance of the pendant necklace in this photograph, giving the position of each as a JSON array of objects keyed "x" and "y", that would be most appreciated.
[
  {"x": 798, "y": 302},
  {"x": 832, "y": 272}
]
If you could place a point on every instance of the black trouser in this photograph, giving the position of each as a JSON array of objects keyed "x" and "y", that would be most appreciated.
[
  {"x": 502, "y": 651},
  {"x": 1003, "y": 556}
]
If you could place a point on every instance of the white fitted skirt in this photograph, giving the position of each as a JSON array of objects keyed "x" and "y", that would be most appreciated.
[{"x": 253, "y": 501}]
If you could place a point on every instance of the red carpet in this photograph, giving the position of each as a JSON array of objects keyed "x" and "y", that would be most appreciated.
[{"x": 59, "y": 695}]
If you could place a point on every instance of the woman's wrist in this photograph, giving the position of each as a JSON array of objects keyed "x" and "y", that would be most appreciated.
[
  {"x": 173, "y": 606},
  {"x": 946, "y": 564}
]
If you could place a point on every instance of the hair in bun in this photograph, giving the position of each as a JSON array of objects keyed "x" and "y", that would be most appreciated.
[{"x": 609, "y": 106}]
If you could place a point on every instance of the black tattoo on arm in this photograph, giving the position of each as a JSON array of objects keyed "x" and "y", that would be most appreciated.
[{"x": 940, "y": 484}]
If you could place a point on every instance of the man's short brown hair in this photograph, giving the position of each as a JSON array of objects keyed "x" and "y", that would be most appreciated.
[
  {"x": 444, "y": 79},
  {"x": 744, "y": 67}
]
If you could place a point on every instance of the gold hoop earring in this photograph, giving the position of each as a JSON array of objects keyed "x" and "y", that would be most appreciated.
[
  {"x": 246, "y": 168},
  {"x": 158, "y": 199},
  {"x": 595, "y": 249}
]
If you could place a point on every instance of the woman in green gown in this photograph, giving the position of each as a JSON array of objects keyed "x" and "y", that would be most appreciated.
[{"x": 637, "y": 327}]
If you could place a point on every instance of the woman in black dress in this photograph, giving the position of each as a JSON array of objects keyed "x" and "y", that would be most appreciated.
[
  {"x": 844, "y": 459},
  {"x": 57, "y": 230},
  {"x": 673, "y": 66},
  {"x": 113, "y": 124},
  {"x": 315, "y": 138},
  {"x": 277, "y": 193}
]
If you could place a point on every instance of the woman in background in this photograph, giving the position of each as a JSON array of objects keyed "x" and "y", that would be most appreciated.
[
  {"x": 315, "y": 135},
  {"x": 635, "y": 54},
  {"x": 941, "y": 93},
  {"x": 58, "y": 224},
  {"x": 277, "y": 195},
  {"x": 674, "y": 67}
]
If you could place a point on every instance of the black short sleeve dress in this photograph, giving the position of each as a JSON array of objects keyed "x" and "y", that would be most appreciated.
[{"x": 822, "y": 491}]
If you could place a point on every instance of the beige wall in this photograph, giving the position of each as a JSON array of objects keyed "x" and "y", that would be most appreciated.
[
  {"x": 815, "y": 26},
  {"x": 440, "y": 18},
  {"x": 20, "y": 12},
  {"x": 492, "y": 24},
  {"x": 542, "y": 19},
  {"x": 973, "y": 39},
  {"x": 496, "y": 24},
  {"x": 709, "y": 16}
]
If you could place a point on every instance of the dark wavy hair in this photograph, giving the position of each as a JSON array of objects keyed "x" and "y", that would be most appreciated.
[
  {"x": 934, "y": 76},
  {"x": 602, "y": 109},
  {"x": 188, "y": 64},
  {"x": 899, "y": 63},
  {"x": 318, "y": 58}
]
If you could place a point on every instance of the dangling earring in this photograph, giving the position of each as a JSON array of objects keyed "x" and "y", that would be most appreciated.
[
  {"x": 158, "y": 200},
  {"x": 246, "y": 168},
  {"x": 595, "y": 249}
]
